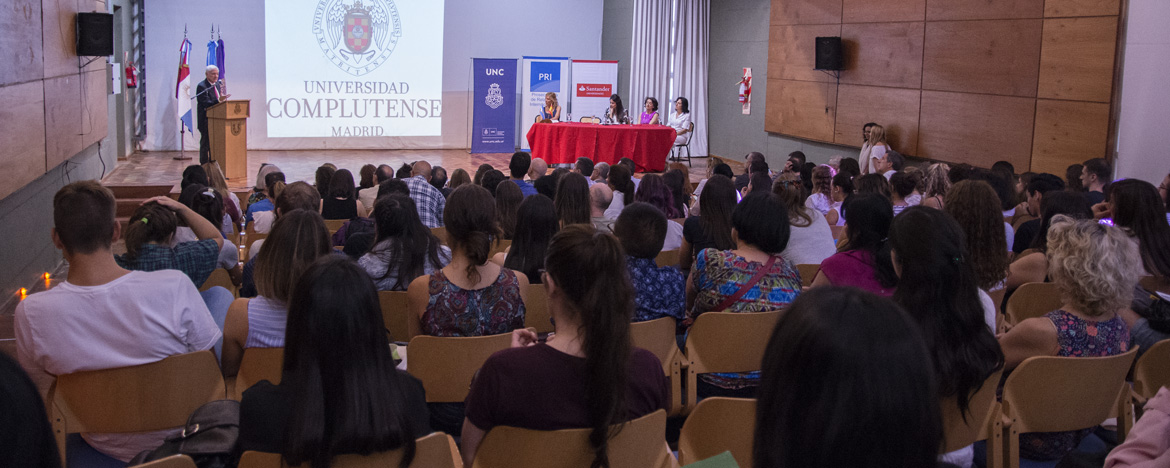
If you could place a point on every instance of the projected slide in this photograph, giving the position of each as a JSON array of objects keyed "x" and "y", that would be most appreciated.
[{"x": 353, "y": 68}]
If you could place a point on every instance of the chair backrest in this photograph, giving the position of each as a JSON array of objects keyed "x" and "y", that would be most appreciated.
[
  {"x": 334, "y": 224},
  {"x": 219, "y": 277},
  {"x": 441, "y": 233},
  {"x": 1020, "y": 220},
  {"x": 667, "y": 258},
  {"x": 808, "y": 272},
  {"x": 586, "y": 119},
  {"x": 657, "y": 336},
  {"x": 1155, "y": 283},
  {"x": 1052, "y": 394},
  {"x": 708, "y": 342},
  {"x": 1032, "y": 300},
  {"x": 717, "y": 425},
  {"x": 436, "y": 450},
  {"x": 256, "y": 365},
  {"x": 640, "y": 443},
  {"x": 173, "y": 461},
  {"x": 536, "y": 314},
  {"x": 596, "y": 120},
  {"x": 148, "y": 397},
  {"x": 959, "y": 432},
  {"x": 400, "y": 323},
  {"x": 687, "y": 139},
  {"x": 1152, "y": 370},
  {"x": 446, "y": 365}
]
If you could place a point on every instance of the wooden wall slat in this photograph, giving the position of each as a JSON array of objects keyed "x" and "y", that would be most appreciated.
[
  {"x": 882, "y": 11},
  {"x": 792, "y": 52},
  {"x": 978, "y": 129},
  {"x": 1076, "y": 61},
  {"x": 802, "y": 109},
  {"x": 22, "y": 135},
  {"x": 1066, "y": 8},
  {"x": 994, "y": 56},
  {"x": 1067, "y": 133},
  {"x": 944, "y": 10},
  {"x": 883, "y": 54},
  {"x": 20, "y": 32},
  {"x": 806, "y": 12}
]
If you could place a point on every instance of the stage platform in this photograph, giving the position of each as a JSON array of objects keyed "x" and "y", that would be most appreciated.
[{"x": 160, "y": 167}]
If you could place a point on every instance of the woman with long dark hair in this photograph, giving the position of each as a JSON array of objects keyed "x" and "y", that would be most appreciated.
[
  {"x": 840, "y": 189},
  {"x": 323, "y": 178},
  {"x": 207, "y": 202},
  {"x": 342, "y": 202},
  {"x": 676, "y": 180},
  {"x": 508, "y": 199},
  {"x": 616, "y": 113},
  {"x": 572, "y": 200},
  {"x": 713, "y": 230},
  {"x": 864, "y": 261},
  {"x": 621, "y": 181},
  {"x": 404, "y": 248},
  {"x": 1136, "y": 206},
  {"x": 536, "y": 223},
  {"x": 975, "y": 206},
  {"x": 841, "y": 369},
  {"x": 588, "y": 374},
  {"x": 654, "y": 191},
  {"x": 339, "y": 391},
  {"x": 28, "y": 437},
  {"x": 937, "y": 287}
]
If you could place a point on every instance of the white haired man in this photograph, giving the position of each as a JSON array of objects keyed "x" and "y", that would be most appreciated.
[{"x": 207, "y": 94}]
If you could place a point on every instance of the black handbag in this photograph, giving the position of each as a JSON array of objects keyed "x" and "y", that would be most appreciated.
[{"x": 209, "y": 437}]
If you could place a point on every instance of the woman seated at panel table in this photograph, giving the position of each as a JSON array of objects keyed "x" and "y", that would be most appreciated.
[
  {"x": 551, "y": 109},
  {"x": 680, "y": 120},
  {"x": 617, "y": 111},
  {"x": 650, "y": 114}
]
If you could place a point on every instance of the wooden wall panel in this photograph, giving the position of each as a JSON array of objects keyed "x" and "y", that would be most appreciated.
[
  {"x": 62, "y": 119},
  {"x": 802, "y": 109},
  {"x": 1068, "y": 133},
  {"x": 1076, "y": 61},
  {"x": 943, "y": 10},
  {"x": 94, "y": 117},
  {"x": 792, "y": 52},
  {"x": 994, "y": 57},
  {"x": 20, "y": 32},
  {"x": 978, "y": 129},
  {"x": 896, "y": 109},
  {"x": 22, "y": 135},
  {"x": 882, "y": 11},
  {"x": 1065, "y": 8},
  {"x": 806, "y": 12},
  {"x": 60, "y": 38},
  {"x": 883, "y": 54}
]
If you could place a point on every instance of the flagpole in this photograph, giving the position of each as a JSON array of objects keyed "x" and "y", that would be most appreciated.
[{"x": 183, "y": 128}]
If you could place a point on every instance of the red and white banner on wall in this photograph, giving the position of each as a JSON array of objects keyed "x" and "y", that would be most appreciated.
[{"x": 593, "y": 82}]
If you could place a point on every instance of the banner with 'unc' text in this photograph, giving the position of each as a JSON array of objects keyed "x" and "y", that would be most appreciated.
[{"x": 493, "y": 124}]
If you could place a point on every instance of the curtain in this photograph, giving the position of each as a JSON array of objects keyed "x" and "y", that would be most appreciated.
[
  {"x": 692, "y": 34},
  {"x": 650, "y": 57}
]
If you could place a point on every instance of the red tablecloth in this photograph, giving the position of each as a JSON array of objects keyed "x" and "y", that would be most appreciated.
[{"x": 563, "y": 143}]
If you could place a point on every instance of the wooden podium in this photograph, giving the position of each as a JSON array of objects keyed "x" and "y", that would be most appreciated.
[{"x": 227, "y": 124}]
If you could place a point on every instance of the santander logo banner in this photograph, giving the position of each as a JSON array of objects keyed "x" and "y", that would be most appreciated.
[{"x": 594, "y": 90}]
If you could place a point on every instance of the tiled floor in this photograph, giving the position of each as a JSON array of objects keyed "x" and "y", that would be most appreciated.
[{"x": 161, "y": 168}]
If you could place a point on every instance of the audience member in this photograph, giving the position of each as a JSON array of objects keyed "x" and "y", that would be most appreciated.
[
  {"x": 741, "y": 180},
  {"x": 1146, "y": 445},
  {"x": 588, "y": 374},
  {"x": 273, "y": 184},
  {"x": 28, "y": 436},
  {"x": 821, "y": 198},
  {"x": 600, "y": 196},
  {"x": 1136, "y": 207},
  {"x": 404, "y": 171},
  {"x": 357, "y": 235},
  {"x": 405, "y": 249},
  {"x": 874, "y": 183},
  {"x": 194, "y": 174},
  {"x": 234, "y": 214},
  {"x": 901, "y": 187},
  {"x": 658, "y": 291},
  {"x": 676, "y": 181},
  {"x": 547, "y": 186},
  {"x": 342, "y": 202},
  {"x": 974, "y": 205},
  {"x": 1095, "y": 267},
  {"x": 518, "y": 167},
  {"x": 536, "y": 224},
  {"x": 493, "y": 178},
  {"x": 584, "y": 166},
  {"x": 712, "y": 231},
  {"x": 339, "y": 391},
  {"x": 458, "y": 178},
  {"x": 1038, "y": 187},
  {"x": 810, "y": 240},
  {"x": 938, "y": 182},
  {"x": 367, "y": 195},
  {"x": 758, "y": 181},
  {"x": 78, "y": 325},
  {"x": 572, "y": 200},
  {"x": 323, "y": 177},
  {"x": 296, "y": 196},
  {"x": 261, "y": 183},
  {"x": 298, "y": 239},
  {"x": 960, "y": 172},
  {"x": 623, "y": 190},
  {"x": 537, "y": 169},
  {"x": 756, "y": 166},
  {"x": 429, "y": 200},
  {"x": 917, "y": 175},
  {"x": 148, "y": 241},
  {"x": 866, "y": 353},
  {"x": 849, "y": 166},
  {"x": 654, "y": 191},
  {"x": 712, "y": 170},
  {"x": 508, "y": 198},
  {"x": 864, "y": 260},
  {"x": 1094, "y": 176},
  {"x": 207, "y": 203},
  {"x": 841, "y": 189},
  {"x": 1072, "y": 177},
  {"x": 366, "y": 176},
  {"x": 439, "y": 180},
  {"x": 600, "y": 173},
  {"x": 1033, "y": 267},
  {"x": 480, "y": 171}
]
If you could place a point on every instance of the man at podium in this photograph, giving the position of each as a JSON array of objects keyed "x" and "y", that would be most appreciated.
[{"x": 209, "y": 93}]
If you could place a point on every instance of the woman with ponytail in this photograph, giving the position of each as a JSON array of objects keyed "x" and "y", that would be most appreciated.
[
  {"x": 588, "y": 374},
  {"x": 149, "y": 234},
  {"x": 470, "y": 296}
]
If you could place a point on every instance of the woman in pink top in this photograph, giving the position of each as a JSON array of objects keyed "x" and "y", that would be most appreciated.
[
  {"x": 1148, "y": 444},
  {"x": 650, "y": 114},
  {"x": 864, "y": 259}
]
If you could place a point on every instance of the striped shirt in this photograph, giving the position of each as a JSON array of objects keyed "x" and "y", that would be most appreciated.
[{"x": 266, "y": 323}]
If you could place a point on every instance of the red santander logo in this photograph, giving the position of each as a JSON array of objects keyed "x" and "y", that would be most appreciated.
[{"x": 594, "y": 90}]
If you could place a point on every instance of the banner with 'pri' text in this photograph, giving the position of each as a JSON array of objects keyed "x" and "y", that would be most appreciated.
[
  {"x": 493, "y": 124},
  {"x": 593, "y": 83},
  {"x": 540, "y": 76}
]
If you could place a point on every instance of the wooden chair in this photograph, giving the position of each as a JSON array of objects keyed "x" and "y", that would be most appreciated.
[
  {"x": 250, "y": 236},
  {"x": 997, "y": 300},
  {"x": 536, "y": 314},
  {"x": 333, "y": 225},
  {"x": 1032, "y": 300},
  {"x": 220, "y": 277},
  {"x": 639, "y": 444},
  {"x": 685, "y": 145},
  {"x": 587, "y": 119},
  {"x": 708, "y": 348},
  {"x": 808, "y": 272},
  {"x": 446, "y": 365},
  {"x": 256, "y": 365},
  {"x": 1020, "y": 220},
  {"x": 657, "y": 336},
  {"x": 1052, "y": 394},
  {"x": 1152, "y": 371},
  {"x": 148, "y": 397},
  {"x": 441, "y": 233},
  {"x": 960, "y": 431},
  {"x": 596, "y": 120},
  {"x": 719, "y": 424},
  {"x": 173, "y": 461},
  {"x": 501, "y": 246},
  {"x": 1155, "y": 284},
  {"x": 436, "y": 450},
  {"x": 668, "y": 258},
  {"x": 400, "y": 323}
]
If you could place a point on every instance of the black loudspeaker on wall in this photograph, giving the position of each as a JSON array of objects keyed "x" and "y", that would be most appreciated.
[
  {"x": 95, "y": 34},
  {"x": 829, "y": 56}
]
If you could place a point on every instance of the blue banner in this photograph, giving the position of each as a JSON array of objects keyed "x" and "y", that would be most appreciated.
[{"x": 493, "y": 124}]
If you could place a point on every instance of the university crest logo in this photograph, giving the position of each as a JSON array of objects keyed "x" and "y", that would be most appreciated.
[
  {"x": 357, "y": 36},
  {"x": 494, "y": 98}
]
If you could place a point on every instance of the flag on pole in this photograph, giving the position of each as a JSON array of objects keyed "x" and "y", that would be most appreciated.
[
  {"x": 183, "y": 86},
  {"x": 212, "y": 50},
  {"x": 219, "y": 53}
]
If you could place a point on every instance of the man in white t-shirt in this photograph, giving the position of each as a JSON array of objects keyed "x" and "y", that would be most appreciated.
[{"x": 104, "y": 316}]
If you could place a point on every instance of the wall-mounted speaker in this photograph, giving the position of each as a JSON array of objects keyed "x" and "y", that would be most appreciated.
[
  {"x": 95, "y": 34},
  {"x": 829, "y": 55}
]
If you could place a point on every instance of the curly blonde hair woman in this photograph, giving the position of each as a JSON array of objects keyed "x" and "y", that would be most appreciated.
[
  {"x": 937, "y": 183},
  {"x": 1095, "y": 267}
]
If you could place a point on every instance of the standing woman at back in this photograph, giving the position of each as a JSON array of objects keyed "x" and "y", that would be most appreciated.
[{"x": 877, "y": 149}]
